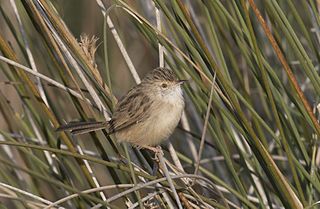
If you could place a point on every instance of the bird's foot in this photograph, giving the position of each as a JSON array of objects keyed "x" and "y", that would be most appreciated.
[{"x": 157, "y": 150}]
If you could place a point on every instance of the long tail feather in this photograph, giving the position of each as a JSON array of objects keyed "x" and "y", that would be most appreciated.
[
  {"x": 82, "y": 127},
  {"x": 87, "y": 130}
]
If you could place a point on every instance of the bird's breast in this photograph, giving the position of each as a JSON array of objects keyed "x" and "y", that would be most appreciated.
[
  {"x": 164, "y": 120},
  {"x": 161, "y": 122}
]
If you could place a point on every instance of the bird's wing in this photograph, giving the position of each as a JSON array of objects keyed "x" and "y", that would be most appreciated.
[{"x": 131, "y": 109}]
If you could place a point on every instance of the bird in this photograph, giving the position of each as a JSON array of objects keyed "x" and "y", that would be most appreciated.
[{"x": 146, "y": 115}]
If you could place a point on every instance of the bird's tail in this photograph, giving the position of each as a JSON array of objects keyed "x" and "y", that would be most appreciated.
[{"x": 82, "y": 127}]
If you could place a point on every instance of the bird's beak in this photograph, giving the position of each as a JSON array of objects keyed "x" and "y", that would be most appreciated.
[{"x": 181, "y": 81}]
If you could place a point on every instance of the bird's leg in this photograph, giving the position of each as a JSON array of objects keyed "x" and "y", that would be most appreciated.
[{"x": 156, "y": 150}]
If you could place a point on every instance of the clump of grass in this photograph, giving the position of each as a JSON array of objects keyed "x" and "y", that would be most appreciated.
[{"x": 249, "y": 134}]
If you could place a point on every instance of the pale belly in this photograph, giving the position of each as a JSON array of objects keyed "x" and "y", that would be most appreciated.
[{"x": 156, "y": 129}]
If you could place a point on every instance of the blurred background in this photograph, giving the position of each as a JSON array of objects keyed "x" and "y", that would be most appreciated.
[
  {"x": 261, "y": 140},
  {"x": 85, "y": 17}
]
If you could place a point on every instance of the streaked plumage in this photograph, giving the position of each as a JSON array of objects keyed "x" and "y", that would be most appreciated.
[{"x": 146, "y": 115}]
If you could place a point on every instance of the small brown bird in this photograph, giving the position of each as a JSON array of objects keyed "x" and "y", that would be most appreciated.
[{"x": 147, "y": 115}]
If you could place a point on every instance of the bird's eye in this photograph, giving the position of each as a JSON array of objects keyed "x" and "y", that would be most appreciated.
[{"x": 164, "y": 85}]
